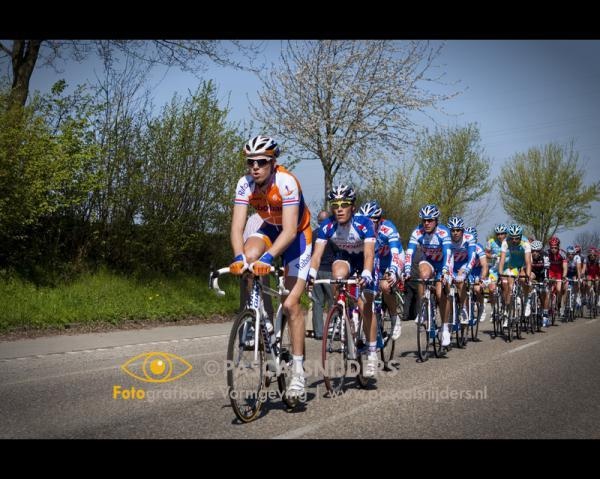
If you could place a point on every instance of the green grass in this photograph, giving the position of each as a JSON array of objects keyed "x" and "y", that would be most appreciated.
[{"x": 106, "y": 296}]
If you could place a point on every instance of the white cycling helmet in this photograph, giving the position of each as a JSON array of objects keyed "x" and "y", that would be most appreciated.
[
  {"x": 372, "y": 210},
  {"x": 429, "y": 212},
  {"x": 456, "y": 222},
  {"x": 261, "y": 146},
  {"x": 515, "y": 230},
  {"x": 472, "y": 230},
  {"x": 501, "y": 228},
  {"x": 341, "y": 192},
  {"x": 536, "y": 245}
]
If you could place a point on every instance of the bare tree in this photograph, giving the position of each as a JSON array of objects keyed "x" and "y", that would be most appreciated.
[
  {"x": 346, "y": 102},
  {"x": 189, "y": 55},
  {"x": 587, "y": 239}
]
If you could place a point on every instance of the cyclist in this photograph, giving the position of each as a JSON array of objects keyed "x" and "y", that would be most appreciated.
[
  {"x": 463, "y": 251},
  {"x": 479, "y": 272},
  {"x": 515, "y": 257},
  {"x": 437, "y": 258},
  {"x": 277, "y": 197},
  {"x": 389, "y": 259},
  {"x": 540, "y": 263},
  {"x": 592, "y": 271},
  {"x": 354, "y": 236},
  {"x": 493, "y": 248},
  {"x": 558, "y": 268},
  {"x": 574, "y": 267}
]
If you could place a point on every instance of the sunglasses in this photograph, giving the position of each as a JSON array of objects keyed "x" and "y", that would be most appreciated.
[
  {"x": 261, "y": 163},
  {"x": 340, "y": 204},
  {"x": 455, "y": 230}
]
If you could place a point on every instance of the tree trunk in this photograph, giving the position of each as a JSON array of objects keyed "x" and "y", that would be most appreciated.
[
  {"x": 24, "y": 55},
  {"x": 327, "y": 186}
]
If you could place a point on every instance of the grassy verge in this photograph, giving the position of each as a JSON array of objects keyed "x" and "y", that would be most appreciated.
[{"x": 106, "y": 296}]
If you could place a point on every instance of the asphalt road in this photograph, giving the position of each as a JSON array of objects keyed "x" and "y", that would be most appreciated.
[{"x": 546, "y": 385}]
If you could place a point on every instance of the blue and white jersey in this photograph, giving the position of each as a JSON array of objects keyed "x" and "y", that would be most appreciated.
[
  {"x": 479, "y": 253},
  {"x": 388, "y": 248},
  {"x": 350, "y": 237},
  {"x": 572, "y": 266},
  {"x": 435, "y": 247},
  {"x": 463, "y": 252}
]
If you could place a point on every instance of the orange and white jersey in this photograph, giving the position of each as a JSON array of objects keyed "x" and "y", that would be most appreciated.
[{"x": 283, "y": 190}]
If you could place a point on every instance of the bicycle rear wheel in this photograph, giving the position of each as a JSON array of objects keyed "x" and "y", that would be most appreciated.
[
  {"x": 334, "y": 352},
  {"x": 245, "y": 378}
]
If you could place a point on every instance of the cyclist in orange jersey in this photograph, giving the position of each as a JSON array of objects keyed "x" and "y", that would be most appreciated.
[{"x": 277, "y": 197}]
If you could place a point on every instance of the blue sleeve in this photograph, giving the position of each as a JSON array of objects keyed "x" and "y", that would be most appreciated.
[
  {"x": 446, "y": 249},
  {"x": 325, "y": 229}
]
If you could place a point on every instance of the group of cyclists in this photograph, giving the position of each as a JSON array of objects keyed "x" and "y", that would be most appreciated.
[{"x": 369, "y": 246}]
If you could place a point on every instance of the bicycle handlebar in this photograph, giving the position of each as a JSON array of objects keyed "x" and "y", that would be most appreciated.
[
  {"x": 336, "y": 281},
  {"x": 213, "y": 282}
]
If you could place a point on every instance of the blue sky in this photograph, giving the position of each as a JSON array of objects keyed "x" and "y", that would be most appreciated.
[{"x": 521, "y": 93}]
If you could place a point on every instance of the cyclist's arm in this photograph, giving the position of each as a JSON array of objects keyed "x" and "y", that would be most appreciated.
[
  {"x": 484, "y": 267},
  {"x": 502, "y": 260},
  {"x": 565, "y": 268},
  {"x": 528, "y": 264},
  {"x": 317, "y": 254},
  {"x": 369, "y": 255},
  {"x": 237, "y": 228}
]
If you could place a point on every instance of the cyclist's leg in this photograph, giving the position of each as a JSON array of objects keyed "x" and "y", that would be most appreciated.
[{"x": 296, "y": 260}]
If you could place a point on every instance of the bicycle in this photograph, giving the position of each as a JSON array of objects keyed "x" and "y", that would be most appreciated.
[
  {"x": 536, "y": 319},
  {"x": 569, "y": 312},
  {"x": 429, "y": 330},
  {"x": 498, "y": 308},
  {"x": 591, "y": 298},
  {"x": 343, "y": 338},
  {"x": 458, "y": 327},
  {"x": 515, "y": 309},
  {"x": 474, "y": 310},
  {"x": 385, "y": 325},
  {"x": 553, "y": 301},
  {"x": 258, "y": 351}
]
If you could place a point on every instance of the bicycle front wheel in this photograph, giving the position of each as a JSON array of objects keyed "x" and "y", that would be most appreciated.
[
  {"x": 334, "y": 352},
  {"x": 245, "y": 378},
  {"x": 423, "y": 340},
  {"x": 362, "y": 352},
  {"x": 475, "y": 314}
]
